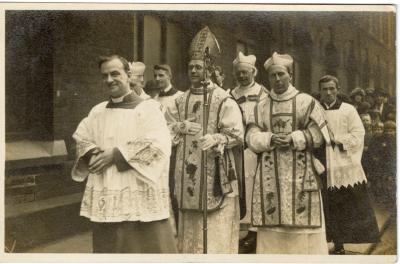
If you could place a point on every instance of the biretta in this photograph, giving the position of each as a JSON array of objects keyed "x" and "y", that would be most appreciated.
[
  {"x": 137, "y": 68},
  {"x": 249, "y": 60},
  {"x": 279, "y": 59}
]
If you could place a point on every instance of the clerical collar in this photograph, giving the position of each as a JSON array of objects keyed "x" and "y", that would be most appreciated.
[
  {"x": 169, "y": 87},
  {"x": 119, "y": 99},
  {"x": 329, "y": 106},
  {"x": 333, "y": 106},
  {"x": 289, "y": 94},
  {"x": 168, "y": 92},
  {"x": 129, "y": 101},
  {"x": 200, "y": 90}
]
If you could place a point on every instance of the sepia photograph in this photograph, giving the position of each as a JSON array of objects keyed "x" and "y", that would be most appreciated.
[{"x": 199, "y": 132}]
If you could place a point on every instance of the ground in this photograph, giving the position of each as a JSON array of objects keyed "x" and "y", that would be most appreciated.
[{"x": 82, "y": 243}]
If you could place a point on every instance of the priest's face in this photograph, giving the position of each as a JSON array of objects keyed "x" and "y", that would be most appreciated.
[
  {"x": 219, "y": 78},
  {"x": 115, "y": 78},
  {"x": 244, "y": 74},
  {"x": 329, "y": 92},
  {"x": 196, "y": 72},
  {"x": 279, "y": 78},
  {"x": 162, "y": 78}
]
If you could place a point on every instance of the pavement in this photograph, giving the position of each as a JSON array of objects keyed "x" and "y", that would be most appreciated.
[
  {"x": 387, "y": 227},
  {"x": 82, "y": 243}
]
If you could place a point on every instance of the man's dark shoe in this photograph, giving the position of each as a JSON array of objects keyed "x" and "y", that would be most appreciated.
[
  {"x": 248, "y": 244},
  {"x": 339, "y": 252}
]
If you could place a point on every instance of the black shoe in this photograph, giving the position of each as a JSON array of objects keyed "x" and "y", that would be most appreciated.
[
  {"x": 248, "y": 244},
  {"x": 340, "y": 251}
]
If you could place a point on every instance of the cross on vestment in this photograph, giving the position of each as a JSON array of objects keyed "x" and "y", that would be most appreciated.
[{"x": 310, "y": 182}]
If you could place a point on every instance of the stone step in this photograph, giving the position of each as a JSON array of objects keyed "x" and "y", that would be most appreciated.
[{"x": 31, "y": 224}]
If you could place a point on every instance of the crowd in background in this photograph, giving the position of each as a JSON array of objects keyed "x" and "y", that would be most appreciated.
[{"x": 378, "y": 113}]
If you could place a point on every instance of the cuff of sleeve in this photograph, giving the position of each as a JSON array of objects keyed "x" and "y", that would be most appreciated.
[
  {"x": 299, "y": 141},
  {"x": 268, "y": 137},
  {"x": 342, "y": 144},
  {"x": 119, "y": 161},
  {"x": 80, "y": 170},
  {"x": 88, "y": 155},
  {"x": 220, "y": 139},
  {"x": 178, "y": 127}
]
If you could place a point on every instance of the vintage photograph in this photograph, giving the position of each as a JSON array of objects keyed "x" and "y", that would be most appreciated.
[{"x": 200, "y": 129}]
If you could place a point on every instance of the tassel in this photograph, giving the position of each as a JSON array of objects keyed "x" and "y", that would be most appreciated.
[
  {"x": 231, "y": 171},
  {"x": 217, "y": 189}
]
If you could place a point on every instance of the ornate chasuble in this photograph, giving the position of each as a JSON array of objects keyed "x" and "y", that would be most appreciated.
[
  {"x": 189, "y": 155},
  {"x": 285, "y": 192}
]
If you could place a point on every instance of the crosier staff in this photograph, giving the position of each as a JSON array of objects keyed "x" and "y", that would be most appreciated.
[
  {"x": 205, "y": 82},
  {"x": 205, "y": 45}
]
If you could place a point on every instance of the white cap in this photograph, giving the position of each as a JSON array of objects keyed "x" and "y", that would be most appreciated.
[
  {"x": 279, "y": 59},
  {"x": 242, "y": 59},
  {"x": 137, "y": 68}
]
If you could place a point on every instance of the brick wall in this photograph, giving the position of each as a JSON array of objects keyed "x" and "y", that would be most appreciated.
[
  {"x": 41, "y": 182},
  {"x": 80, "y": 38}
]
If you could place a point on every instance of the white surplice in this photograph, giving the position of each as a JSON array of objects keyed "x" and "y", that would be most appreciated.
[{"x": 142, "y": 137}]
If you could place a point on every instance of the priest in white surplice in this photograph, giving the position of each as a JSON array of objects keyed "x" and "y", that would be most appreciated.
[
  {"x": 350, "y": 216},
  {"x": 123, "y": 149},
  {"x": 286, "y": 204}
]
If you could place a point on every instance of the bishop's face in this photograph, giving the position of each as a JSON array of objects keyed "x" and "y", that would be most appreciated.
[
  {"x": 279, "y": 78},
  {"x": 196, "y": 72}
]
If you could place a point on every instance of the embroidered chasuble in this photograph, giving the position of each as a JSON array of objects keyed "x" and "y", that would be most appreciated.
[
  {"x": 286, "y": 191},
  {"x": 224, "y": 171},
  {"x": 221, "y": 168}
]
